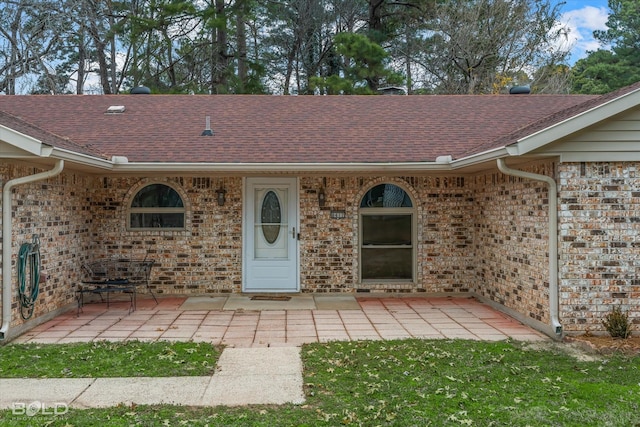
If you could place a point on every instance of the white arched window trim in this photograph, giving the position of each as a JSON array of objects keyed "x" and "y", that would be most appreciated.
[
  {"x": 387, "y": 239},
  {"x": 166, "y": 217}
]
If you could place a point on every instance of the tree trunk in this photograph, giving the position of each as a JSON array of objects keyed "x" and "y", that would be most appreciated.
[
  {"x": 290, "y": 61},
  {"x": 82, "y": 56},
  {"x": 220, "y": 63},
  {"x": 408, "y": 58},
  {"x": 100, "y": 47},
  {"x": 112, "y": 41},
  {"x": 375, "y": 15},
  {"x": 241, "y": 40},
  {"x": 171, "y": 69},
  {"x": 11, "y": 79},
  {"x": 376, "y": 30}
]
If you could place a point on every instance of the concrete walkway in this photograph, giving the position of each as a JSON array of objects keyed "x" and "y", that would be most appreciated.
[{"x": 243, "y": 376}]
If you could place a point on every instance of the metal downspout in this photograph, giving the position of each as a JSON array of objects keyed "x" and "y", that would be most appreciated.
[
  {"x": 554, "y": 301},
  {"x": 7, "y": 237}
]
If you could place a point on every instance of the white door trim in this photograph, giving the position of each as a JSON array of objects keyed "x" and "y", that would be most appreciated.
[{"x": 250, "y": 282}]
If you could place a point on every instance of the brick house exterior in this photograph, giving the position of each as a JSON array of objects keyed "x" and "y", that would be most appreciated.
[{"x": 476, "y": 231}]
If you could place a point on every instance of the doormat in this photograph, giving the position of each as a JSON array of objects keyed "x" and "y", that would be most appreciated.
[{"x": 269, "y": 298}]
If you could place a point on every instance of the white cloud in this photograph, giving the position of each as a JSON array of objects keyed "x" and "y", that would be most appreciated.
[{"x": 581, "y": 23}]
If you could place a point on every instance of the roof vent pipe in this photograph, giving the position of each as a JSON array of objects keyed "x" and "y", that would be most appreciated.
[
  {"x": 520, "y": 90},
  {"x": 140, "y": 90},
  {"x": 207, "y": 131}
]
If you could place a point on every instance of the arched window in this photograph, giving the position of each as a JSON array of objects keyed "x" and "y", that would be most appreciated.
[
  {"x": 156, "y": 206},
  {"x": 387, "y": 235}
]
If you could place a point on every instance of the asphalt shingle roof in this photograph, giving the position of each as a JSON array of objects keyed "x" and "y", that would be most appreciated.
[
  {"x": 28, "y": 129},
  {"x": 288, "y": 129}
]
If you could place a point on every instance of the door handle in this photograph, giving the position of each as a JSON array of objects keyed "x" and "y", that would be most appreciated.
[{"x": 296, "y": 236}]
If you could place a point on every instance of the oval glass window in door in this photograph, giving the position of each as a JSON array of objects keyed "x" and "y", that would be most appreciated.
[{"x": 271, "y": 216}]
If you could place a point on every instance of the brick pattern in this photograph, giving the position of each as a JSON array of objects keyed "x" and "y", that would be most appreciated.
[
  {"x": 57, "y": 211},
  {"x": 599, "y": 247},
  {"x": 329, "y": 248},
  {"x": 207, "y": 256},
  {"x": 485, "y": 233},
  {"x": 204, "y": 258},
  {"x": 511, "y": 243},
  {"x": 446, "y": 259}
]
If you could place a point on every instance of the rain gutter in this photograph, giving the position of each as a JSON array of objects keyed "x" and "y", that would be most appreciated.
[
  {"x": 125, "y": 167},
  {"x": 479, "y": 158},
  {"x": 82, "y": 159},
  {"x": 553, "y": 239},
  {"x": 7, "y": 233}
]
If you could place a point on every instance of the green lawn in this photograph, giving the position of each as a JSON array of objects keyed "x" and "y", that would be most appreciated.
[
  {"x": 107, "y": 359},
  {"x": 419, "y": 383}
]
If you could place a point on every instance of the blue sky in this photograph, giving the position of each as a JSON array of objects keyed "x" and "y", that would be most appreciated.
[{"x": 582, "y": 17}]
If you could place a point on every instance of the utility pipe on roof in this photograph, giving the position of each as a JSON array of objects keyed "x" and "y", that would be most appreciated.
[
  {"x": 553, "y": 238},
  {"x": 7, "y": 234}
]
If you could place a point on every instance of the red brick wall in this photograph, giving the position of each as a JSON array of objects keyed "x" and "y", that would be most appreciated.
[
  {"x": 485, "y": 234},
  {"x": 329, "y": 251},
  {"x": 207, "y": 256},
  {"x": 599, "y": 242},
  {"x": 57, "y": 210},
  {"x": 511, "y": 241}
]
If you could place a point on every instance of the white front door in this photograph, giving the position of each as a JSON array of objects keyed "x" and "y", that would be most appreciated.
[{"x": 271, "y": 235}]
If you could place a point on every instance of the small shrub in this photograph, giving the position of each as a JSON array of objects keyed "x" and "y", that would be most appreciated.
[{"x": 617, "y": 324}]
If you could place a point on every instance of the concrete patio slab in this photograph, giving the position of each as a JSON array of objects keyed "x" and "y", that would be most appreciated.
[
  {"x": 278, "y": 323},
  {"x": 336, "y": 302},
  {"x": 203, "y": 303},
  {"x": 244, "y": 302}
]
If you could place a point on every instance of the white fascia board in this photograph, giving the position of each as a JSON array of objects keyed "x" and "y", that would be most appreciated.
[
  {"x": 83, "y": 159},
  {"x": 406, "y": 167},
  {"x": 576, "y": 123},
  {"x": 24, "y": 143},
  {"x": 612, "y": 156},
  {"x": 117, "y": 166},
  {"x": 483, "y": 157},
  {"x": 281, "y": 167}
]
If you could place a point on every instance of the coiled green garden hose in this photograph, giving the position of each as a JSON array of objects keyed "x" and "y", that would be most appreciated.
[{"x": 29, "y": 268}]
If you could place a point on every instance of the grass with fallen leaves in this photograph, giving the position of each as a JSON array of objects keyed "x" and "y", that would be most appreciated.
[
  {"x": 107, "y": 359},
  {"x": 419, "y": 383}
]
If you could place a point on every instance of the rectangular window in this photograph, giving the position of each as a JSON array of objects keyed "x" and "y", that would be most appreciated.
[
  {"x": 157, "y": 220},
  {"x": 387, "y": 247},
  {"x": 386, "y": 230},
  {"x": 387, "y": 263}
]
